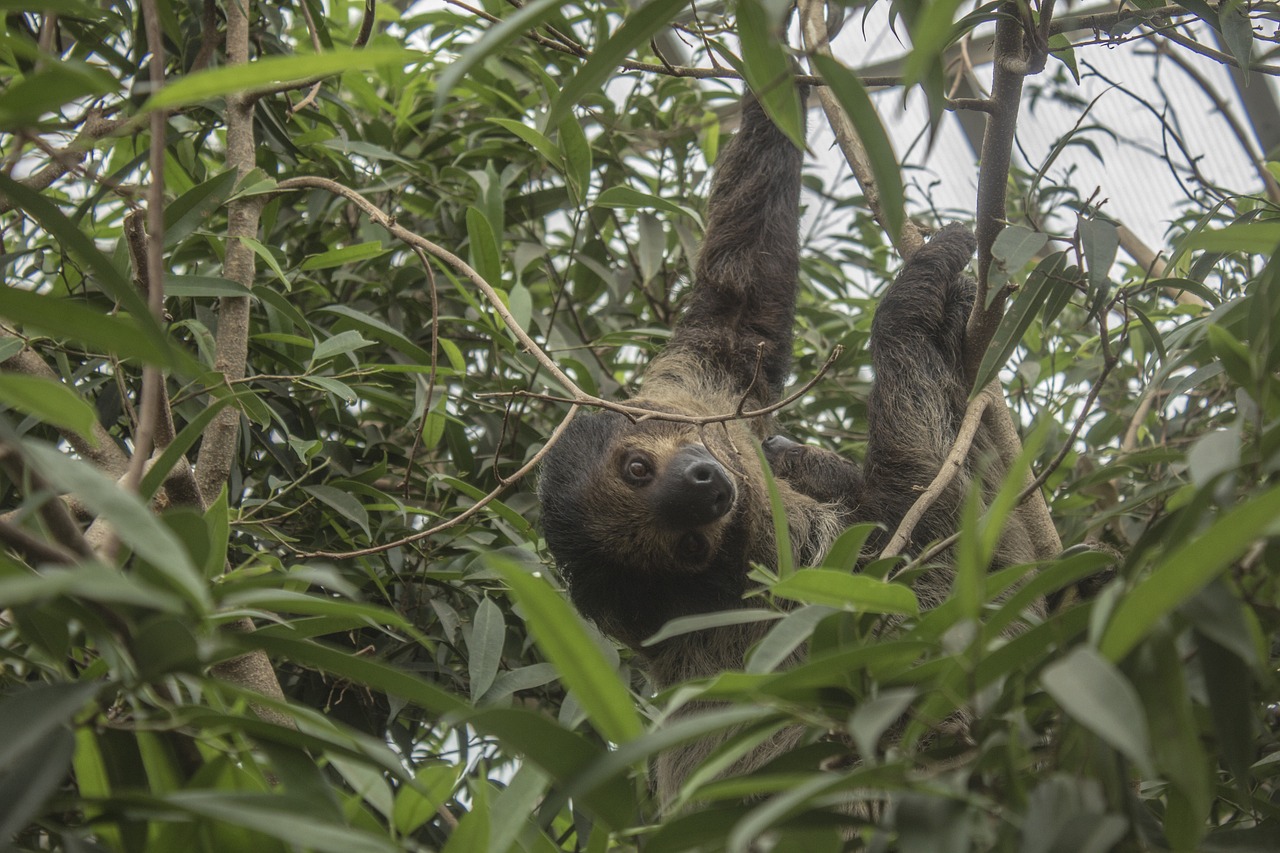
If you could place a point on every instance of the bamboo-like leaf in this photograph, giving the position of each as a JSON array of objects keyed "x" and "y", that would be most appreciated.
[
  {"x": 862, "y": 112},
  {"x": 1019, "y": 318},
  {"x": 526, "y": 18},
  {"x": 48, "y": 400},
  {"x": 767, "y": 68},
  {"x": 1186, "y": 570},
  {"x": 636, "y": 29},
  {"x": 563, "y": 639},
  {"x": 858, "y": 593},
  {"x": 272, "y": 72},
  {"x": 1102, "y": 700}
]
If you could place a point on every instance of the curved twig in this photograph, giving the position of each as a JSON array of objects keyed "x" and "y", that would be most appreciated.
[{"x": 950, "y": 468}]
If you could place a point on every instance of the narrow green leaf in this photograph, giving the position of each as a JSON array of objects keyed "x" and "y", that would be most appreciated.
[
  {"x": 266, "y": 813},
  {"x": 346, "y": 504},
  {"x": 1019, "y": 317},
  {"x": 565, "y": 755},
  {"x": 537, "y": 140},
  {"x": 48, "y": 89},
  {"x": 1228, "y": 684},
  {"x": 563, "y": 639},
  {"x": 767, "y": 67},
  {"x": 49, "y": 400},
  {"x": 1102, "y": 700},
  {"x": 862, "y": 112},
  {"x": 30, "y": 713},
  {"x": 1100, "y": 240},
  {"x": 380, "y": 331},
  {"x": 1237, "y": 31},
  {"x": 858, "y": 593},
  {"x": 131, "y": 519},
  {"x": 345, "y": 255},
  {"x": 488, "y": 636},
  {"x": 66, "y": 319},
  {"x": 192, "y": 209},
  {"x": 484, "y": 247},
  {"x": 703, "y": 621},
  {"x": 196, "y": 286},
  {"x": 632, "y": 199},
  {"x": 340, "y": 344},
  {"x": 1256, "y": 237},
  {"x": 275, "y": 71},
  {"x": 781, "y": 529},
  {"x": 362, "y": 670},
  {"x": 1188, "y": 569},
  {"x": 418, "y": 803},
  {"x": 636, "y": 29},
  {"x": 109, "y": 276},
  {"x": 1014, "y": 248},
  {"x": 512, "y": 27}
]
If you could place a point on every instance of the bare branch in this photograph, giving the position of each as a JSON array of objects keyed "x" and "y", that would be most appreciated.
[
  {"x": 950, "y": 468},
  {"x": 460, "y": 517},
  {"x": 813, "y": 26}
]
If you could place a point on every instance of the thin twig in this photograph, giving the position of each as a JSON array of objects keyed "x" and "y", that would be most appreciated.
[
  {"x": 460, "y": 517},
  {"x": 950, "y": 468},
  {"x": 813, "y": 26}
]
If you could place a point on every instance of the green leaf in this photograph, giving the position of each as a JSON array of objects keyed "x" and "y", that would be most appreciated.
[
  {"x": 862, "y": 112},
  {"x": 858, "y": 593},
  {"x": 563, "y": 639},
  {"x": 29, "y": 714},
  {"x": 48, "y": 400},
  {"x": 512, "y": 27},
  {"x": 340, "y": 344},
  {"x": 192, "y": 209},
  {"x": 346, "y": 505},
  {"x": 1187, "y": 570},
  {"x": 637, "y": 29},
  {"x": 196, "y": 286},
  {"x": 704, "y": 621},
  {"x": 67, "y": 319},
  {"x": 488, "y": 636},
  {"x": 109, "y": 277},
  {"x": 1014, "y": 248},
  {"x": 1237, "y": 31},
  {"x": 1256, "y": 237},
  {"x": 784, "y": 638},
  {"x": 271, "y": 815},
  {"x": 632, "y": 199},
  {"x": 1102, "y": 700},
  {"x": 536, "y": 140},
  {"x": 131, "y": 519},
  {"x": 48, "y": 89},
  {"x": 566, "y": 756},
  {"x": 346, "y": 255},
  {"x": 273, "y": 72},
  {"x": 1100, "y": 240},
  {"x": 418, "y": 803},
  {"x": 360, "y": 669},
  {"x": 1227, "y": 682},
  {"x": 1019, "y": 318},
  {"x": 485, "y": 257},
  {"x": 767, "y": 67}
]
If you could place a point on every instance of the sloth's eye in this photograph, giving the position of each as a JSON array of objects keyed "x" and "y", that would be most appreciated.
[
  {"x": 637, "y": 470},
  {"x": 693, "y": 547}
]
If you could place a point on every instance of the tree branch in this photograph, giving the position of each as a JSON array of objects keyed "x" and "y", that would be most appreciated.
[{"x": 813, "y": 26}]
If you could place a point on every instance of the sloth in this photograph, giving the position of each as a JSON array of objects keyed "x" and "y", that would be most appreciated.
[{"x": 651, "y": 519}]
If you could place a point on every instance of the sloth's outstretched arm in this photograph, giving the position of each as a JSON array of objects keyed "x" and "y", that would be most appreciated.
[
  {"x": 919, "y": 395},
  {"x": 745, "y": 281}
]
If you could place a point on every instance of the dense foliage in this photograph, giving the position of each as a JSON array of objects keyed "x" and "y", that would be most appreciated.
[{"x": 438, "y": 693}]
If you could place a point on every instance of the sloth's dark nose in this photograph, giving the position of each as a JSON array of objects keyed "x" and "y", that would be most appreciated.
[{"x": 696, "y": 490}]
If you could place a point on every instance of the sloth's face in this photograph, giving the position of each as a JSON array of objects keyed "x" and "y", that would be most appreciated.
[{"x": 644, "y": 517}]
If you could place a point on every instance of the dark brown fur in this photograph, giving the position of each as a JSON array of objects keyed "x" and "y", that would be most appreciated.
[{"x": 644, "y": 532}]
